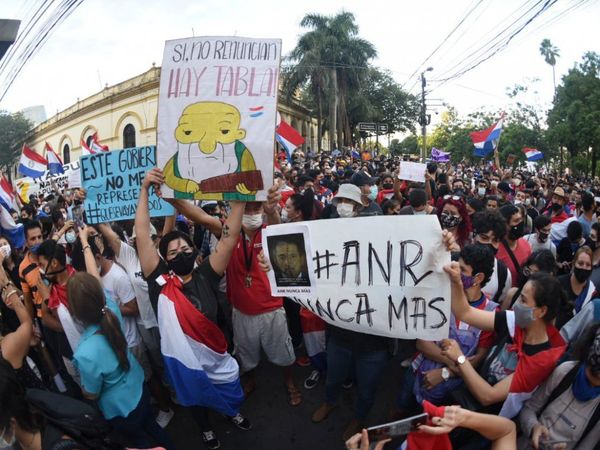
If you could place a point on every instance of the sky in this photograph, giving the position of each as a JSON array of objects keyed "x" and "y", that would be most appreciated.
[{"x": 108, "y": 41}]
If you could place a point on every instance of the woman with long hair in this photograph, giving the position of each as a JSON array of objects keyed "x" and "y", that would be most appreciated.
[
  {"x": 109, "y": 372},
  {"x": 300, "y": 207},
  {"x": 453, "y": 217}
]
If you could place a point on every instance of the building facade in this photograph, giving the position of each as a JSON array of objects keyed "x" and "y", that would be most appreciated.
[{"x": 125, "y": 115}]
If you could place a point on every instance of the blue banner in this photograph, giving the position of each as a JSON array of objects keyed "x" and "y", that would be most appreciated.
[{"x": 113, "y": 181}]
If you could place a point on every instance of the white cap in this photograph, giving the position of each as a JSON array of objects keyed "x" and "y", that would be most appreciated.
[{"x": 350, "y": 192}]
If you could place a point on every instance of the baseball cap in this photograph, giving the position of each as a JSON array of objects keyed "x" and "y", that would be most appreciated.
[{"x": 360, "y": 178}]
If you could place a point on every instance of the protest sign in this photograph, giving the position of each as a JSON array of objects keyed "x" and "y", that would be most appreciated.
[
  {"x": 113, "y": 181},
  {"x": 216, "y": 117},
  {"x": 412, "y": 171},
  {"x": 388, "y": 283},
  {"x": 74, "y": 179},
  {"x": 46, "y": 184}
]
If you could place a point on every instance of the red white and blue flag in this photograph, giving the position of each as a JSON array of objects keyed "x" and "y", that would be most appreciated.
[
  {"x": 7, "y": 194},
  {"x": 313, "y": 332},
  {"x": 95, "y": 145},
  {"x": 32, "y": 164},
  {"x": 194, "y": 350},
  {"x": 288, "y": 137},
  {"x": 55, "y": 165},
  {"x": 85, "y": 150},
  {"x": 8, "y": 227},
  {"x": 533, "y": 154},
  {"x": 531, "y": 370},
  {"x": 486, "y": 141}
]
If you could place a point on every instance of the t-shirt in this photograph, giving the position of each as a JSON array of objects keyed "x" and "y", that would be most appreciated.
[
  {"x": 256, "y": 298},
  {"x": 372, "y": 210},
  {"x": 117, "y": 284},
  {"x": 201, "y": 290},
  {"x": 536, "y": 245},
  {"x": 586, "y": 224},
  {"x": 128, "y": 258},
  {"x": 29, "y": 274},
  {"x": 521, "y": 252},
  {"x": 491, "y": 287},
  {"x": 119, "y": 391}
]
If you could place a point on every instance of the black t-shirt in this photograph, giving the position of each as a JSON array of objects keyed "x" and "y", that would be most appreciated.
[
  {"x": 201, "y": 290},
  {"x": 502, "y": 332}
]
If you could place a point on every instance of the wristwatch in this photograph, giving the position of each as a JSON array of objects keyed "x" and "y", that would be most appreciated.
[
  {"x": 445, "y": 374},
  {"x": 461, "y": 360}
]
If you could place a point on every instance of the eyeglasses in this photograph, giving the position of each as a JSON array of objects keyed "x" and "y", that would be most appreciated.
[
  {"x": 527, "y": 271},
  {"x": 456, "y": 198}
]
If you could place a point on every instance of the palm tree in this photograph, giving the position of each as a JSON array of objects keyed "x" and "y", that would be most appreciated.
[
  {"x": 337, "y": 57},
  {"x": 550, "y": 53}
]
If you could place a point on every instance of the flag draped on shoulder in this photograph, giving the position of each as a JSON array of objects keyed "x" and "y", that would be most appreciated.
[
  {"x": 32, "y": 164},
  {"x": 194, "y": 349},
  {"x": 486, "y": 141},
  {"x": 55, "y": 164},
  {"x": 533, "y": 154},
  {"x": 288, "y": 137}
]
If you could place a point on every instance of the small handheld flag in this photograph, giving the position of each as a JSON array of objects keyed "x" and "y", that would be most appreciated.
[
  {"x": 533, "y": 154},
  {"x": 288, "y": 137},
  {"x": 96, "y": 146},
  {"x": 486, "y": 141},
  {"x": 55, "y": 165},
  {"x": 32, "y": 164}
]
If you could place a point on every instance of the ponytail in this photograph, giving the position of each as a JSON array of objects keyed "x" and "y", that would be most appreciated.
[{"x": 110, "y": 327}]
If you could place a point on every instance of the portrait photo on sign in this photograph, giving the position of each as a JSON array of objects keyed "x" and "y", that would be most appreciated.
[{"x": 288, "y": 257}]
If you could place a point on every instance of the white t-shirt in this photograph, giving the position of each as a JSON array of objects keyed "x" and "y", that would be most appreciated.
[
  {"x": 537, "y": 245},
  {"x": 117, "y": 284},
  {"x": 128, "y": 258},
  {"x": 491, "y": 287}
]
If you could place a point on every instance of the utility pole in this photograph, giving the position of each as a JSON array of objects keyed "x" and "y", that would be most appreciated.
[{"x": 423, "y": 119}]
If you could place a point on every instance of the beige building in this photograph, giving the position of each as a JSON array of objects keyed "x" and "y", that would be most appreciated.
[{"x": 125, "y": 115}]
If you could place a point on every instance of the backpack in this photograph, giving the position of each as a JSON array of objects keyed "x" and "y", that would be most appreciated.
[
  {"x": 502, "y": 277},
  {"x": 84, "y": 424},
  {"x": 565, "y": 384}
]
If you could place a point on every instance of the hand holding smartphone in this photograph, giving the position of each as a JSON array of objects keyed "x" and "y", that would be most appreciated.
[{"x": 398, "y": 428}]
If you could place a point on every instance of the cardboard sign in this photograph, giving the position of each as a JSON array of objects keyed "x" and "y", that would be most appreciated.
[
  {"x": 412, "y": 171},
  {"x": 46, "y": 184},
  {"x": 74, "y": 179},
  {"x": 216, "y": 117},
  {"x": 389, "y": 283},
  {"x": 113, "y": 181}
]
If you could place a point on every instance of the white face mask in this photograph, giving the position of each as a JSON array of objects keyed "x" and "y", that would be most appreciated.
[
  {"x": 285, "y": 218},
  {"x": 4, "y": 443},
  {"x": 481, "y": 191},
  {"x": 252, "y": 221},
  {"x": 5, "y": 250},
  {"x": 345, "y": 210},
  {"x": 70, "y": 237}
]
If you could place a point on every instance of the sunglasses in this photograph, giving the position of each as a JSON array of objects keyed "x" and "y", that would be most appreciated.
[{"x": 456, "y": 198}]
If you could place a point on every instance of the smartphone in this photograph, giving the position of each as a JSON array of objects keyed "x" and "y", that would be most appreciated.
[
  {"x": 398, "y": 428},
  {"x": 549, "y": 444},
  {"x": 78, "y": 216}
]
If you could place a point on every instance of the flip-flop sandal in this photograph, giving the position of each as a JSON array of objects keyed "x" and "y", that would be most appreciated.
[{"x": 294, "y": 397}]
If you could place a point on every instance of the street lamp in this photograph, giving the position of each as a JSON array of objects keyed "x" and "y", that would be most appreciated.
[{"x": 423, "y": 118}]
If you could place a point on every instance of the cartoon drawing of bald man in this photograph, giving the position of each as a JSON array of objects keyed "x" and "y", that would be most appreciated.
[{"x": 209, "y": 142}]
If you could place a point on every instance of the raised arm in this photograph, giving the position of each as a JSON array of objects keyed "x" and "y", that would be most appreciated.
[
  {"x": 198, "y": 216},
  {"x": 88, "y": 255},
  {"x": 111, "y": 237},
  {"x": 270, "y": 206},
  {"x": 149, "y": 258},
  {"x": 15, "y": 346},
  {"x": 484, "y": 320},
  {"x": 229, "y": 238},
  {"x": 169, "y": 223}
]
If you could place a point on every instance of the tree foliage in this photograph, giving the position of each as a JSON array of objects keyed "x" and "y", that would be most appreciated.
[{"x": 13, "y": 129}]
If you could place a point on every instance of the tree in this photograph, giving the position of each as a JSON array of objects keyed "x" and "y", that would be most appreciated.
[
  {"x": 408, "y": 145},
  {"x": 550, "y": 53},
  {"x": 13, "y": 129}
]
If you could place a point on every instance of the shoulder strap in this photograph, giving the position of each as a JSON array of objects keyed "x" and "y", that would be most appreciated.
[
  {"x": 502, "y": 277},
  {"x": 564, "y": 384},
  {"x": 488, "y": 361},
  {"x": 515, "y": 296},
  {"x": 513, "y": 258},
  {"x": 28, "y": 269},
  {"x": 590, "y": 425}
]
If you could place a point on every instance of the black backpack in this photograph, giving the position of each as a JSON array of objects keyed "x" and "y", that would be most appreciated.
[{"x": 81, "y": 422}]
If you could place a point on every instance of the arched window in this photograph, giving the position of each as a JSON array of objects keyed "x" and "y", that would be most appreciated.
[
  {"x": 66, "y": 154},
  {"x": 88, "y": 140},
  {"x": 129, "y": 136}
]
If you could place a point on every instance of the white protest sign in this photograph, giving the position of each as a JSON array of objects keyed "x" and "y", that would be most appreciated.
[
  {"x": 412, "y": 171},
  {"x": 74, "y": 178},
  {"x": 388, "y": 282},
  {"x": 216, "y": 117}
]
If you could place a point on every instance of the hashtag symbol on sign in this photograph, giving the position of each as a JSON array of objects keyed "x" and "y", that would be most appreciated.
[{"x": 93, "y": 214}]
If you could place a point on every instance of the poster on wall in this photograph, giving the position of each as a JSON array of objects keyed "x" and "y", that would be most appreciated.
[
  {"x": 216, "y": 117},
  {"x": 389, "y": 283}
]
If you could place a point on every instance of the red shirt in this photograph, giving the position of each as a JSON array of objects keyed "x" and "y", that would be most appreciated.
[
  {"x": 257, "y": 298},
  {"x": 521, "y": 253}
]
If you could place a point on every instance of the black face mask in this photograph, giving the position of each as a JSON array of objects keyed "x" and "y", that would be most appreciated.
[
  {"x": 183, "y": 263},
  {"x": 388, "y": 185},
  {"x": 581, "y": 275},
  {"x": 492, "y": 248},
  {"x": 556, "y": 207},
  {"x": 543, "y": 237},
  {"x": 516, "y": 232}
]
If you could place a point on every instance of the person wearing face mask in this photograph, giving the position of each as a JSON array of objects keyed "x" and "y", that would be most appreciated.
[
  {"x": 176, "y": 260},
  {"x": 347, "y": 202},
  {"x": 60, "y": 226},
  {"x": 417, "y": 199},
  {"x": 514, "y": 250},
  {"x": 481, "y": 189},
  {"x": 489, "y": 229},
  {"x": 299, "y": 207},
  {"x": 566, "y": 408},
  {"x": 588, "y": 215},
  {"x": 387, "y": 188},
  {"x": 577, "y": 286},
  {"x": 453, "y": 217},
  {"x": 568, "y": 246},
  {"x": 558, "y": 213},
  {"x": 540, "y": 239},
  {"x": 527, "y": 349},
  {"x": 368, "y": 190}
]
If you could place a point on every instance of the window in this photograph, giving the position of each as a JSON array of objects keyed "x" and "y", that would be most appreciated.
[
  {"x": 66, "y": 154},
  {"x": 129, "y": 136}
]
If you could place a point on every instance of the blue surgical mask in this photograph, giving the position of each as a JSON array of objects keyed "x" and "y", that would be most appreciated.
[
  {"x": 373, "y": 194},
  {"x": 35, "y": 248}
]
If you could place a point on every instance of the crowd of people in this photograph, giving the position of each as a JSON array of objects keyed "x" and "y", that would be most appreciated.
[{"x": 96, "y": 313}]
